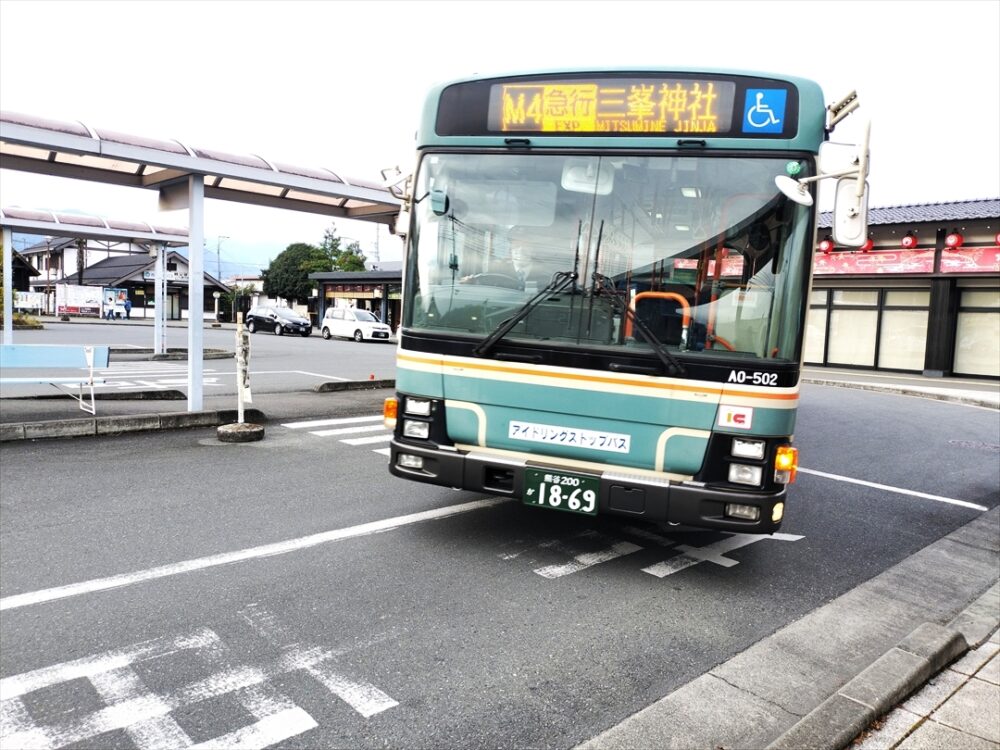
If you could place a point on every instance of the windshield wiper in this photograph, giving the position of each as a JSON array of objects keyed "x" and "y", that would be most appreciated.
[
  {"x": 560, "y": 280},
  {"x": 603, "y": 284}
]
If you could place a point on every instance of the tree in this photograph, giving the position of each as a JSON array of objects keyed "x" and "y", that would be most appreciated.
[
  {"x": 348, "y": 258},
  {"x": 288, "y": 274}
]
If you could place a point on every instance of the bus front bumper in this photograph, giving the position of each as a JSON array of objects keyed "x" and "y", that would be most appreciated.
[{"x": 622, "y": 494}]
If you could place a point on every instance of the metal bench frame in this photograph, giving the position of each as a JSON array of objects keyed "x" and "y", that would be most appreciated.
[{"x": 56, "y": 357}]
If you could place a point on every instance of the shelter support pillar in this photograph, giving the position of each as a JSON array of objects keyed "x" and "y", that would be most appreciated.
[
  {"x": 196, "y": 291},
  {"x": 8, "y": 286},
  {"x": 160, "y": 295}
]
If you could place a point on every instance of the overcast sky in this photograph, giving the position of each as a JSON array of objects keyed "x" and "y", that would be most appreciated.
[{"x": 340, "y": 84}]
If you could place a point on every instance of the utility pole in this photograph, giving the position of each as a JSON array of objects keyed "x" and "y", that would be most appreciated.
[{"x": 218, "y": 257}]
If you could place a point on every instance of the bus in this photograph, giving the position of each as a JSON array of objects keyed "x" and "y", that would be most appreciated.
[{"x": 605, "y": 289}]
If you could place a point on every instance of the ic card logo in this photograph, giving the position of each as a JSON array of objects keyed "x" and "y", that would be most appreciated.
[{"x": 735, "y": 417}]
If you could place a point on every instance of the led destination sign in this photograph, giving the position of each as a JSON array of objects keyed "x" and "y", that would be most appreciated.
[
  {"x": 620, "y": 105},
  {"x": 613, "y": 106}
]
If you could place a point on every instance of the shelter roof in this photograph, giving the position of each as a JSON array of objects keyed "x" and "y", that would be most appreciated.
[
  {"x": 51, "y": 224},
  {"x": 73, "y": 149}
]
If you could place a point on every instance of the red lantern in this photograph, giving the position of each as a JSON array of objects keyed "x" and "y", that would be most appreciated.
[
  {"x": 954, "y": 240},
  {"x": 909, "y": 241},
  {"x": 867, "y": 247},
  {"x": 826, "y": 246}
]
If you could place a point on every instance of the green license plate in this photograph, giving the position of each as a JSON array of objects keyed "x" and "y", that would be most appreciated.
[{"x": 561, "y": 491}]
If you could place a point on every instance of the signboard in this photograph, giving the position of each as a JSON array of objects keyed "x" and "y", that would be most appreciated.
[
  {"x": 632, "y": 104},
  {"x": 168, "y": 275},
  {"x": 78, "y": 300},
  {"x": 29, "y": 301},
  {"x": 903, "y": 261},
  {"x": 113, "y": 301},
  {"x": 971, "y": 260}
]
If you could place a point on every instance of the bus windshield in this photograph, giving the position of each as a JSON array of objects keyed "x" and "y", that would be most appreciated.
[{"x": 701, "y": 255}]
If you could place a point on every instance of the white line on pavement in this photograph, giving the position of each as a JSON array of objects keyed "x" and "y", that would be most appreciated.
[
  {"x": 348, "y": 430},
  {"x": 369, "y": 440},
  {"x": 330, "y": 422},
  {"x": 899, "y": 490},
  {"x": 227, "y": 558}
]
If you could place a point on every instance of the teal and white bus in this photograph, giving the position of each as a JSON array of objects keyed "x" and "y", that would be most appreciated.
[{"x": 605, "y": 290}]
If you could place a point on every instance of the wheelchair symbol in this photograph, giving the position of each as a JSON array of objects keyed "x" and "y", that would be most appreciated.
[{"x": 760, "y": 115}]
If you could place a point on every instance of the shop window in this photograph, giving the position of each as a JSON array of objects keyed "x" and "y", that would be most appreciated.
[
  {"x": 815, "y": 339},
  {"x": 852, "y": 337},
  {"x": 853, "y": 327},
  {"x": 977, "y": 335},
  {"x": 856, "y": 297},
  {"x": 884, "y": 328},
  {"x": 903, "y": 329}
]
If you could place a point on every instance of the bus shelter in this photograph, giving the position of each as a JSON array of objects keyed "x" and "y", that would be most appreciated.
[
  {"x": 184, "y": 176},
  {"x": 155, "y": 241}
]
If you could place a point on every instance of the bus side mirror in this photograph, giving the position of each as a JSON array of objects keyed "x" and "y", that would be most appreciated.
[
  {"x": 850, "y": 212},
  {"x": 439, "y": 202}
]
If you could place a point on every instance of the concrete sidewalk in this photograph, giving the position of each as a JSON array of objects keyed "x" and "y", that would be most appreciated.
[{"x": 828, "y": 678}]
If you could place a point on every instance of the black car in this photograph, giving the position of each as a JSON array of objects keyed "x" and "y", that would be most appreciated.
[{"x": 279, "y": 320}]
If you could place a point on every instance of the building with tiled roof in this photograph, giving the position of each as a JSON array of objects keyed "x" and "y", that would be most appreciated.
[{"x": 923, "y": 294}]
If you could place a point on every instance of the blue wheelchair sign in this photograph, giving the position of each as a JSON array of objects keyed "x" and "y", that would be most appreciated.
[{"x": 764, "y": 111}]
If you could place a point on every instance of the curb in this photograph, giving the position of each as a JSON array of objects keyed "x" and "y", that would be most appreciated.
[
  {"x": 940, "y": 395},
  {"x": 61, "y": 428},
  {"x": 893, "y": 677},
  {"x": 887, "y": 682},
  {"x": 354, "y": 385}
]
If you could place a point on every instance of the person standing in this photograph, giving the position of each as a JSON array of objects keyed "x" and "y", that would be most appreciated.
[{"x": 128, "y": 309}]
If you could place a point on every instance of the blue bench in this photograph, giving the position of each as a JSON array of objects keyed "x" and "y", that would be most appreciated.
[{"x": 48, "y": 360}]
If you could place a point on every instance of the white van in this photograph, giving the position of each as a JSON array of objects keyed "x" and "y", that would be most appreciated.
[{"x": 351, "y": 323}]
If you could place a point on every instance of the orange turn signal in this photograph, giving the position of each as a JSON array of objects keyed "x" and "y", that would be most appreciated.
[
  {"x": 786, "y": 463},
  {"x": 389, "y": 410}
]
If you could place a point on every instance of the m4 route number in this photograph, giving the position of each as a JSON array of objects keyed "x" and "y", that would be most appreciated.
[{"x": 742, "y": 377}]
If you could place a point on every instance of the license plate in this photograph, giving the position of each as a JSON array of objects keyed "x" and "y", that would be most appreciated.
[{"x": 561, "y": 491}]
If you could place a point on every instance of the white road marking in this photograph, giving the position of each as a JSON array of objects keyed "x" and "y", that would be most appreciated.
[
  {"x": 270, "y": 730},
  {"x": 712, "y": 553},
  {"x": 369, "y": 440},
  {"x": 584, "y": 560},
  {"x": 897, "y": 490},
  {"x": 329, "y": 422},
  {"x": 363, "y": 697},
  {"x": 146, "y": 716},
  {"x": 348, "y": 430},
  {"x": 251, "y": 553},
  {"x": 383, "y": 451}
]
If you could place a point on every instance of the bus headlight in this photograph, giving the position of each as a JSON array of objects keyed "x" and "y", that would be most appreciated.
[
  {"x": 409, "y": 461},
  {"x": 745, "y": 474},
  {"x": 743, "y": 448},
  {"x": 414, "y": 429},
  {"x": 420, "y": 407},
  {"x": 746, "y": 512}
]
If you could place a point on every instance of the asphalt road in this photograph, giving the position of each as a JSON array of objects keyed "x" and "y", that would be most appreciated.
[{"x": 148, "y": 599}]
